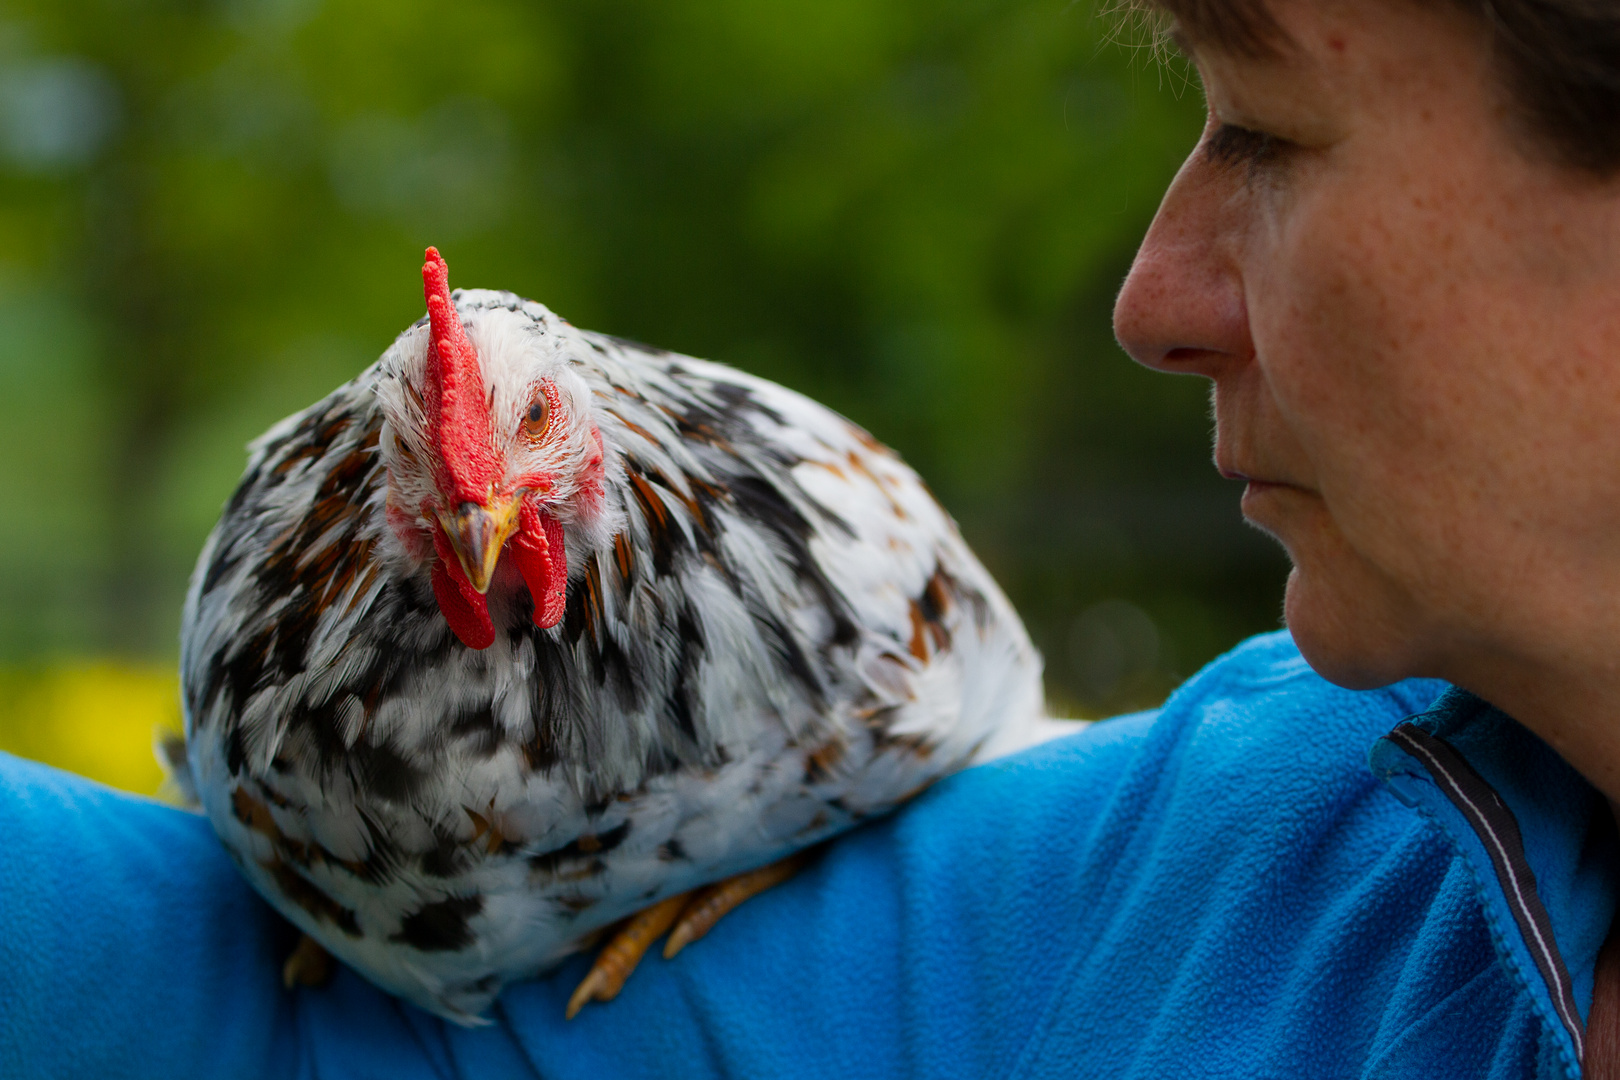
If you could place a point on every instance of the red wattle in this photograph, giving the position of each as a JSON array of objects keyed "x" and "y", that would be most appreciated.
[
  {"x": 537, "y": 549},
  {"x": 464, "y": 608}
]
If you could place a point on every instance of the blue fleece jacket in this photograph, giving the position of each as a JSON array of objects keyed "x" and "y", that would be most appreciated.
[{"x": 1221, "y": 888}]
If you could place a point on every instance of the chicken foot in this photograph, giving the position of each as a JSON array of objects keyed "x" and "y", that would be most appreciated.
[
  {"x": 309, "y": 964},
  {"x": 691, "y": 914}
]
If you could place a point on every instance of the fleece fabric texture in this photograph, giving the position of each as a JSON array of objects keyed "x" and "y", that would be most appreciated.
[{"x": 1220, "y": 888}]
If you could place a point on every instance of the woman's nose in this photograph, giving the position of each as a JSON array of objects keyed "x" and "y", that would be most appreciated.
[{"x": 1182, "y": 307}]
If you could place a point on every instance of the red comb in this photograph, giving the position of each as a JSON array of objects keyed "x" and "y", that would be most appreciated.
[{"x": 457, "y": 412}]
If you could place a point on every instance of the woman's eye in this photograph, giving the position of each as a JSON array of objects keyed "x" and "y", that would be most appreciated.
[
  {"x": 537, "y": 418},
  {"x": 1233, "y": 145}
]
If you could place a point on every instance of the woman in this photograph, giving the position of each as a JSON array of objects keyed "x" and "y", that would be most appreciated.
[
  {"x": 1395, "y": 255},
  {"x": 1396, "y": 252}
]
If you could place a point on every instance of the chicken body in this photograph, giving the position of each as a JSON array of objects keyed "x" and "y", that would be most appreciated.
[{"x": 770, "y": 631}]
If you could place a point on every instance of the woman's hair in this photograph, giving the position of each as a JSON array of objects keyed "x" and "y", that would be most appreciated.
[{"x": 1559, "y": 61}]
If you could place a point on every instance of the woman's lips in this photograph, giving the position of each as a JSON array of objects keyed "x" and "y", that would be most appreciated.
[
  {"x": 1237, "y": 474},
  {"x": 1254, "y": 482},
  {"x": 1256, "y": 487}
]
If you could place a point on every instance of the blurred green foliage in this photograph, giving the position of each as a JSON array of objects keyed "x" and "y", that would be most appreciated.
[{"x": 213, "y": 211}]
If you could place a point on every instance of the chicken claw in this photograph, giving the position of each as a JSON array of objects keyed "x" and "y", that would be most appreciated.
[
  {"x": 709, "y": 903},
  {"x": 309, "y": 964},
  {"x": 692, "y": 914},
  {"x": 620, "y": 956}
]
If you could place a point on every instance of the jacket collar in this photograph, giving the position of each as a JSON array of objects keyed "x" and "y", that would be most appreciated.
[{"x": 1539, "y": 839}]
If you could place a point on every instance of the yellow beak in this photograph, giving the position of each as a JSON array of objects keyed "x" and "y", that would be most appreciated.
[{"x": 476, "y": 534}]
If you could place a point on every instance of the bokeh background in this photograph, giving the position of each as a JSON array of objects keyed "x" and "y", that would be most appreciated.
[{"x": 918, "y": 211}]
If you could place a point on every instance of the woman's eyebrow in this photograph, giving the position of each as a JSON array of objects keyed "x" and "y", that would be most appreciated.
[{"x": 1251, "y": 32}]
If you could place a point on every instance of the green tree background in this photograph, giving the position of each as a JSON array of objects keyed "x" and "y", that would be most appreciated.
[{"x": 213, "y": 211}]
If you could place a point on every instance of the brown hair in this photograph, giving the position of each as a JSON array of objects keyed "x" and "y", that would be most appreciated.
[{"x": 1559, "y": 59}]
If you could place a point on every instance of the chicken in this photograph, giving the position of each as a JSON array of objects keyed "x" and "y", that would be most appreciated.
[{"x": 527, "y": 629}]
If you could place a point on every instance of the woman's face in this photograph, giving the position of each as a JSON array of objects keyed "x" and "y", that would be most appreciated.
[{"x": 1412, "y": 322}]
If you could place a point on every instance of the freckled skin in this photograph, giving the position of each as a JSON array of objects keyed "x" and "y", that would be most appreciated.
[{"x": 1410, "y": 319}]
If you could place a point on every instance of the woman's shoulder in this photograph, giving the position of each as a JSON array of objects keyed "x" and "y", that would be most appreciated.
[{"x": 1253, "y": 723}]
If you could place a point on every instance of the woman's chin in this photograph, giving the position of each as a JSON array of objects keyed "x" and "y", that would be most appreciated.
[{"x": 1346, "y": 627}]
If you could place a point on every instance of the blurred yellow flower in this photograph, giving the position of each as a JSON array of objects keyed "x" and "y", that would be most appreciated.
[{"x": 96, "y": 718}]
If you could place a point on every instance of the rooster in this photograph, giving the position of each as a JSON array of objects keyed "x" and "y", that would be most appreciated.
[{"x": 529, "y": 630}]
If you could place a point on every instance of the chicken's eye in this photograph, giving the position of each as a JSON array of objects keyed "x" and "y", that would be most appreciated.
[{"x": 536, "y": 420}]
